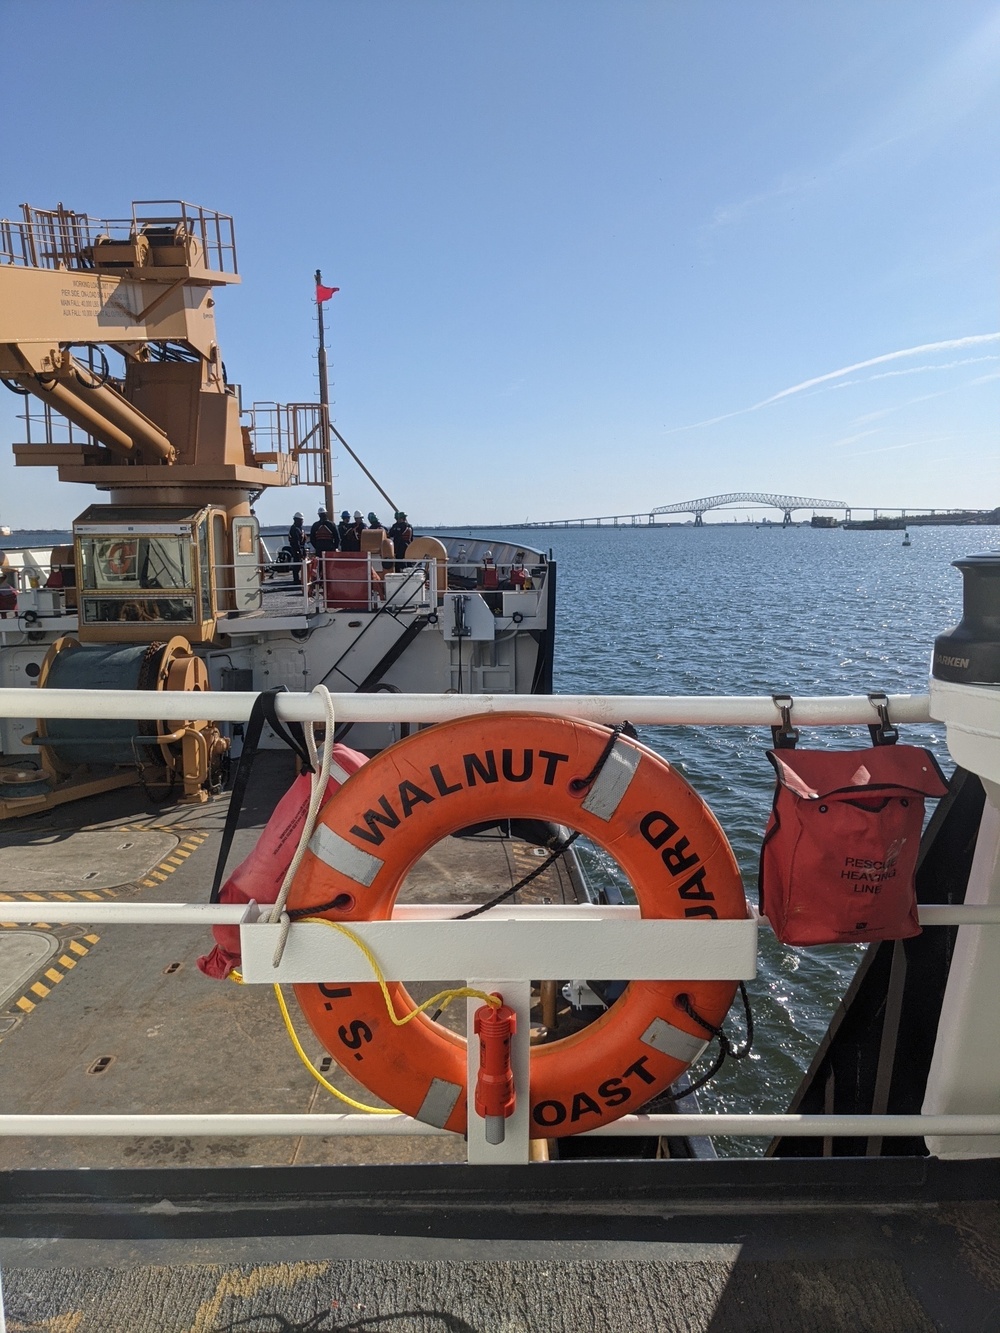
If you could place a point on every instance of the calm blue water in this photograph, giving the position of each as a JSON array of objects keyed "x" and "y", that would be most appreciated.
[
  {"x": 737, "y": 609},
  {"x": 740, "y": 609}
]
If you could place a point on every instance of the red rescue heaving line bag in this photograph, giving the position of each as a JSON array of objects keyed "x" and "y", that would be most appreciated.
[
  {"x": 259, "y": 877},
  {"x": 840, "y": 851}
]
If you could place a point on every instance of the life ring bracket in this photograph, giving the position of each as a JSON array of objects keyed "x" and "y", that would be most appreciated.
[{"x": 530, "y": 942}]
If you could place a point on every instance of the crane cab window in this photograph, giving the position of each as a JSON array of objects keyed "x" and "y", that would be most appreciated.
[
  {"x": 133, "y": 563},
  {"x": 144, "y": 577}
]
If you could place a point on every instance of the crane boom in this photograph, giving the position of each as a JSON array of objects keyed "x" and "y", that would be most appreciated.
[{"x": 141, "y": 287}]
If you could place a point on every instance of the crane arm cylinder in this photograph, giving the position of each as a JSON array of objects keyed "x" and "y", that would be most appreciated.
[{"x": 82, "y": 414}]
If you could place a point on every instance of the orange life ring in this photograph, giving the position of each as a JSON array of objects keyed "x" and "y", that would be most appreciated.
[
  {"x": 120, "y": 557},
  {"x": 518, "y": 765}
]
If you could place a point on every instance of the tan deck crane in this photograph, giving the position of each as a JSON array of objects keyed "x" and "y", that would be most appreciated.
[
  {"x": 164, "y": 436},
  {"x": 107, "y": 329},
  {"x": 176, "y": 551}
]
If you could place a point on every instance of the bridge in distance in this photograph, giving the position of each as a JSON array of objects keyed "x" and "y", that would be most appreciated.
[{"x": 786, "y": 504}]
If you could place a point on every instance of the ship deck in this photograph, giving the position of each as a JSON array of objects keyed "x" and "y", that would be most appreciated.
[{"x": 386, "y": 1234}]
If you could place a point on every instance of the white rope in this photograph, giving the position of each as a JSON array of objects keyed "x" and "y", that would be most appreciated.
[{"x": 317, "y": 790}]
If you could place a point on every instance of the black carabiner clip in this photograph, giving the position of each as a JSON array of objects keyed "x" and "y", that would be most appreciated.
[
  {"x": 784, "y": 736},
  {"x": 882, "y": 732}
]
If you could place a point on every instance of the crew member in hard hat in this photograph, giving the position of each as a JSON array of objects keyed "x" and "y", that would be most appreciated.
[
  {"x": 401, "y": 534},
  {"x": 351, "y": 540},
  {"x": 344, "y": 527},
  {"x": 323, "y": 536},
  {"x": 297, "y": 546}
]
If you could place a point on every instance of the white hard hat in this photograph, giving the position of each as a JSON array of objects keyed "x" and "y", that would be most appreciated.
[{"x": 296, "y": 515}]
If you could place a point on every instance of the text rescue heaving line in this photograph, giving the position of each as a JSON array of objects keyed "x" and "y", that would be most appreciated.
[{"x": 641, "y": 710}]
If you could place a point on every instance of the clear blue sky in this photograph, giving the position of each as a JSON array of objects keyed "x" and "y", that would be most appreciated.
[{"x": 585, "y": 250}]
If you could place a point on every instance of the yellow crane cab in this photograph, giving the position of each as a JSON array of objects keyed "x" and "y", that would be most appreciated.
[{"x": 142, "y": 571}]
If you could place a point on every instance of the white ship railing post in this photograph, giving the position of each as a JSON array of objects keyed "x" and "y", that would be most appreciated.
[{"x": 965, "y": 1068}]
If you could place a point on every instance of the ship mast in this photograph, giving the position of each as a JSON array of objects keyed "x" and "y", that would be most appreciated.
[
  {"x": 324, "y": 398},
  {"x": 329, "y": 429}
]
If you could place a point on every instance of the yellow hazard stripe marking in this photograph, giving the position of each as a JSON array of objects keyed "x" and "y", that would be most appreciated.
[
  {"x": 58, "y": 896},
  {"x": 54, "y": 974},
  {"x": 186, "y": 829},
  {"x": 180, "y": 854}
]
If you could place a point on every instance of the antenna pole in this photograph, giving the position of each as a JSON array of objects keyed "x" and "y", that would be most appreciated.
[
  {"x": 324, "y": 400},
  {"x": 329, "y": 428}
]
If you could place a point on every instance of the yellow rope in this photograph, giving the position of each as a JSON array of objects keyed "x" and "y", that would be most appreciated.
[
  {"x": 342, "y": 1096},
  {"x": 445, "y": 996}
]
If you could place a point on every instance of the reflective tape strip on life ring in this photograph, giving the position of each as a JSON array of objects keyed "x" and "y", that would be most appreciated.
[
  {"x": 120, "y": 557},
  {"x": 518, "y": 765}
]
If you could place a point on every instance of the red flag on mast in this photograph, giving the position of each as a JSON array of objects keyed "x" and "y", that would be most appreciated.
[{"x": 324, "y": 293}]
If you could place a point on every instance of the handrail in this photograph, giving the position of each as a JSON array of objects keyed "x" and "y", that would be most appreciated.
[
  {"x": 709, "y": 1124},
  {"x": 647, "y": 710},
  {"x": 640, "y": 709},
  {"x": 229, "y": 914},
  {"x": 718, "y": 951}
]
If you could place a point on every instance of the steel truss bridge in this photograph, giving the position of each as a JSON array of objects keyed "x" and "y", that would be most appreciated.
[{"x": 788, "y": 504}]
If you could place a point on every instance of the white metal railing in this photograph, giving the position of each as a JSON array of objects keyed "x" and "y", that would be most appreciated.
[
  {"x": 399, "y": 591},
  {"x": 576, "y": 939},
  {"x": 380, "y": 585},
  {"x": 244, "y": 597},
  {"x": 384, "y": 584},
  {"x": 581, "y": 940},
  {"x": 640, "y": 709},
  {"x": 717, "y": 1125},
  {"x": 224, "y": 914}
]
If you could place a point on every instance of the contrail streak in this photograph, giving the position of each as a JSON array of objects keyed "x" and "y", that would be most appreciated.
[{"x": 972, "y": 340}]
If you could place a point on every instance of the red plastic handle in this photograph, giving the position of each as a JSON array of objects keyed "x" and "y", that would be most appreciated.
[{"x": 495, "y": 1084}]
